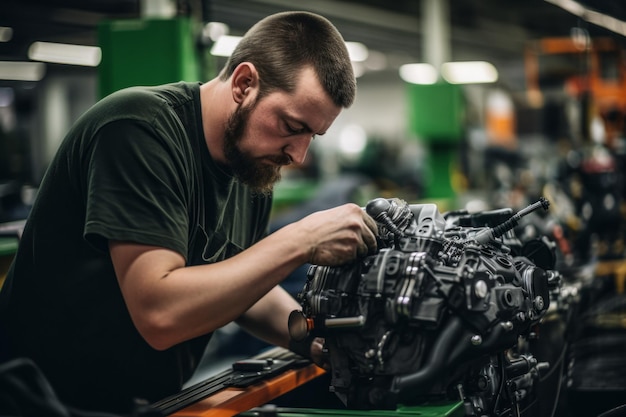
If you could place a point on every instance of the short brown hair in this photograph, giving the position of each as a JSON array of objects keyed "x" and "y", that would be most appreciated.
[{"x": 281, "y": 44}]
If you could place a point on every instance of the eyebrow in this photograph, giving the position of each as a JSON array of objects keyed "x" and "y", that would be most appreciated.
[{"x": 305, "y": 126}]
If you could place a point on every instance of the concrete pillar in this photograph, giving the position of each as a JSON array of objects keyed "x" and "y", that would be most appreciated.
[{"x": 436, "y": 32}]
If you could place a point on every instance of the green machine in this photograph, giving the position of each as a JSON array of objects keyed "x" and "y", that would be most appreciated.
[
  {"x": 146, "y": 52},
  {"x": 429, "y": 410},
  {"x": 436, "y": 114}
]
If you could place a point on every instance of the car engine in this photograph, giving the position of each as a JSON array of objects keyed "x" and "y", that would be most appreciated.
[{"x": 444, "y": 309}]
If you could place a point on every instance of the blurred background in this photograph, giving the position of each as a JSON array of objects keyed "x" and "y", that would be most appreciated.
[
  {"x": 458, "y": 100},
  {"x": 468, "y": 103},
  {"x": 475, "y": 104}
]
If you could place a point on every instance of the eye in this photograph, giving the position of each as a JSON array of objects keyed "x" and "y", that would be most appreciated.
[{"x": 294, "y": 130}]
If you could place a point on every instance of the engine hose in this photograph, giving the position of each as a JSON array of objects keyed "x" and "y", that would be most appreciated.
[{"x": 404, "y": 385}]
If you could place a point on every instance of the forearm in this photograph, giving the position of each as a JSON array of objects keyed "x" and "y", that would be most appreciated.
[
  {"x": 171, "y": 303},
  {"x": 267, "y": 319}
]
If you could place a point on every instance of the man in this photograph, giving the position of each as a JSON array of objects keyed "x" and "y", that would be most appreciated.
[{"x": 148, "y": 232}]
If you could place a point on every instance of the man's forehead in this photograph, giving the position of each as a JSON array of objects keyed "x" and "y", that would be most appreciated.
[{"x": 313, "y": 107}]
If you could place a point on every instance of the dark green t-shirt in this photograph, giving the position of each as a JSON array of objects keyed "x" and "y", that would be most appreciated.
[{"x": 134, "y": 168}]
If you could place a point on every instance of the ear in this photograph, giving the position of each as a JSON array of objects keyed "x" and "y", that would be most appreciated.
[{"x": 244, "y": 81}]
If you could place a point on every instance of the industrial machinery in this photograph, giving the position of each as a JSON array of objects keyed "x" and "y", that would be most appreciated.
[
  {"x": 579, "y": 66},
  {"x": 449, "y": 308}
]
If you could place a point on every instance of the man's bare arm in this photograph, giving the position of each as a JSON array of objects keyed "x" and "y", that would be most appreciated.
[{"x": 170, "y": 303}]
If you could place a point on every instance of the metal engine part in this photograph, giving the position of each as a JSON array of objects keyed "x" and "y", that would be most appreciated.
[{"x": 438, "y": 312}]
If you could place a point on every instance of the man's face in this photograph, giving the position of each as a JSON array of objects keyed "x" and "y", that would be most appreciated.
[
  {"x": 262, "y": 135},
  {"x": 248, "y": 169}
]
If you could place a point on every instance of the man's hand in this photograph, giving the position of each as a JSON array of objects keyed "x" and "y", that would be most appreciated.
[
  {"x": 339, "y": 235},
  {"x": 319, "y": 355}
]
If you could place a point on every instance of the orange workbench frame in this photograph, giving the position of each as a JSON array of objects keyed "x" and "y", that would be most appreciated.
[{"x": 231, "y": 401}]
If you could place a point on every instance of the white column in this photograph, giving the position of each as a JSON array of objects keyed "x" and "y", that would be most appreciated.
[{"x": 436, "y": 32}]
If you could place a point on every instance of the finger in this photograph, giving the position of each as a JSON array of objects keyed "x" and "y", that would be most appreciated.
[
  {"x": 370, "y": 223},
  {"x": 369, "y": 234},
  {"x": 362, "y": 250}
]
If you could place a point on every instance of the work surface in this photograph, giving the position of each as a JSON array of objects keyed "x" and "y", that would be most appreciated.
[{"x": 248, "y": 384}]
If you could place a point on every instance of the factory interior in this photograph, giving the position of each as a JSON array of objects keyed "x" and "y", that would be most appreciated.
[{"x": 478, "y": 108}]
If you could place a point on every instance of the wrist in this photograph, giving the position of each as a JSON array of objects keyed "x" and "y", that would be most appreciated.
[{"x": 302, "y": 347}]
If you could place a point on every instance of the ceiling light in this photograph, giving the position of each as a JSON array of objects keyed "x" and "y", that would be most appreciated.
[
  {"x": 225, "y": 45},
  {"x": 592, "y": 16},
  {"x": 352, "y": 141},
  {"x": 376, "y": 61},
  {"x": 472, "y": 72},
  {"x": 22, "y": 71},
  {"x": 214, "y": 30},
  {"x": 357, "y": 51},
  {"x": 358, "y": 68},
  {"x": 418, "y": 73},
  {"x": 61, "y": 53},
  {"x": 6, "y": 33}
]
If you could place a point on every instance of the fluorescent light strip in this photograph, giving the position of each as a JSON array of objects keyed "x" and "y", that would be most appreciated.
[
  {"x": 357, "y": 51},
  {"x": 473, "y": 72},
  {"x": 61, "y": 53},
  {"x": 419, "y": 74},
  {"x": 22, "y": 71},
  {"x": 226, "y": 44},
  {"x": 592, "y": 16}
]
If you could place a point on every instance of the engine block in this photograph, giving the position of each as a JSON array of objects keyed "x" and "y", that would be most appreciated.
[{"x": 438, "y": 311}]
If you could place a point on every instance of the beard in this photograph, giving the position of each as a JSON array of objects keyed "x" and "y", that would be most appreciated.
[{"x": 251, "y": 171}]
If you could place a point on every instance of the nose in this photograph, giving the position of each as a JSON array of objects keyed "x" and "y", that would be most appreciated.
[{"x": 297, "y": 148}]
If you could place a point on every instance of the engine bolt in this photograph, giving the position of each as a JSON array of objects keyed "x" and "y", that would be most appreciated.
[
  {"x": 538, "y": 303},
  {"x": 507, "y": 325},
  {"x": 476, "y": 340},
  {"x": 482, "y": 383},
  {"x": 480, "y": 289}
]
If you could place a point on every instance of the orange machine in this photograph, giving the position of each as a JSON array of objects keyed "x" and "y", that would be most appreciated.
[
  {"x": 587, "y": 66},
  {"x": 591, "y": 71}
]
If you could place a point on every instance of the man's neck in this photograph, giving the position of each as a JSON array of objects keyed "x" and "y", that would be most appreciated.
[{"x": 216, "y": 102}]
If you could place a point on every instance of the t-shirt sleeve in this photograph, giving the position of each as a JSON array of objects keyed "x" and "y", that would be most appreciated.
[{"x": 135, "y": 188}]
